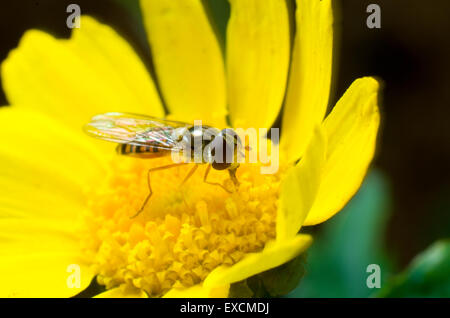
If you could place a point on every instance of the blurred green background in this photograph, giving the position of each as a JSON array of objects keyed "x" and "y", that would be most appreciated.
[{"x": 401, "y": 216}]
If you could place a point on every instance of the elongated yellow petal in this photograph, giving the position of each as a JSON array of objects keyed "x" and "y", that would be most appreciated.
[
  {"x": 274, "y": 254},
  {"x": 199, "y": 291},
  {"x": 44, "y": 166},
  {"x": 23, "y": 236},
  {"x": 187, "y": 59},
  {"x": 123, "y": 293},
  {"x": 299, "y": 188},
  {"x": 258, "y": 49},
  {"x": 41, "y": 258},
  {"x": 352, "y": 129},
  {"x": 93, "y": 72},
  {"x": 43, "y": 275},
  {"x": 310, "y": 75}
]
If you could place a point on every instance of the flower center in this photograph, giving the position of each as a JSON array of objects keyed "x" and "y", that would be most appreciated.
[{"x": 184, "y": 232}]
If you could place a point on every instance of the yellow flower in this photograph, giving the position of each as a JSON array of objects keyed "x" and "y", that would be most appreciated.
[{"x": 66, "y": 199}]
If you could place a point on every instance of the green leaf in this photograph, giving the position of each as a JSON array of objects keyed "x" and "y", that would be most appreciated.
[
  {"x": 283, "y": 279},
  {"x": 134, "y": 19},
  {"x": 428, "y": 275},
  {"x": 219, "y": 11},
  {"x": 346, "y": 244},
  {"x": 276, "y": 282},
  {"x": 241, "y": 290}
]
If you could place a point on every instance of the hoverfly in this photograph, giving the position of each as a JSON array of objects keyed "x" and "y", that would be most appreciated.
[{"x": 150, "y": 137}]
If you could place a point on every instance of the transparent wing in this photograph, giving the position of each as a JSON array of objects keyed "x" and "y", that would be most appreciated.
[{"x": 135, "y": 129}]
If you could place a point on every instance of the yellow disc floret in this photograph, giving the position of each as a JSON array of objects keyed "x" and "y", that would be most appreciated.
[{"x": 183, "y": 233}]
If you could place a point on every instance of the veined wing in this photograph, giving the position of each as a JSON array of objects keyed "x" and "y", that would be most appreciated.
[{"x": 135, "y": 129}]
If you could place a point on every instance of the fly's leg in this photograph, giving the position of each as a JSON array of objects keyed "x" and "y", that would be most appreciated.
[
  {"x": 213, "y": 183},
  {"x": 150, "y": 186},
  {"x": 191, "y": 172},
  {"x": 233, "y": 178}
]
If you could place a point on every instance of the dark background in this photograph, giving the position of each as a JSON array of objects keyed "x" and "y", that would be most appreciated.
[{"x": 410, "y": 53}]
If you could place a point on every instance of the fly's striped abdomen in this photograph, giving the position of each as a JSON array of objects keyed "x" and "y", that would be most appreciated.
[{"x": 141, "y": 151}]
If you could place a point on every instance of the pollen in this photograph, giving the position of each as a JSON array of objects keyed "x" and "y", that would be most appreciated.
[{"x": 183, "y": 233}]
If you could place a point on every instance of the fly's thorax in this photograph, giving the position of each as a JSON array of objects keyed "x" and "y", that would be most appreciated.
[
  {"x": 194, "y": 142},
  {"x": 205, "y": 144}
]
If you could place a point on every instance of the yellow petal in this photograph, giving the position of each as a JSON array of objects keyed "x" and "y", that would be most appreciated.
[
  {"x": 274, "y": 254},
  {"x": 258, "y": 48},
  {"x": 40, "y": 258},
  {"x": 42, "y": 275},
  {"x": 352, "y": 129},
  {"x": 44, "y": 165},
  {"x": 199, "y": 291},
  {"x": 310, "y": 76},
  {"x": 26, "y": 236},
  {"x": 187, "y": 59},
  {"x": 123, "y": 292},
  {"x": 299, "y": 188},
  {"x": 93, "y": 72}
]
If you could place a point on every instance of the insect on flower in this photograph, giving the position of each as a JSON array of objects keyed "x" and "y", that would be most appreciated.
[{"x": 149, "y": 137}]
